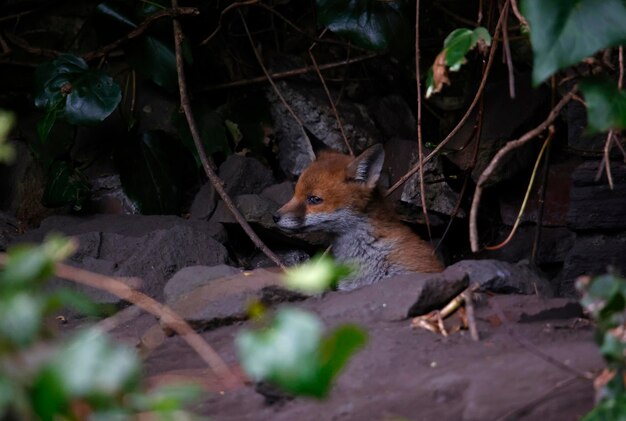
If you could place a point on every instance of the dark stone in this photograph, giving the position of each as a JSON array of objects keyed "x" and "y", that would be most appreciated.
[
  {"x": 289, "y": 258},
  {"x": 393, "y": 117},
  {"x": 204, "y": 203},
  {"x": 592, "y": 254},
  {"x": 502, "y": 277},
  {"x": 219, "y": 301},
  {"x": 151, "y": 248},
  {"x": 192, "y": 277},
  {"x": 310, "y": 103},
  {"x": 576, "y": 115},
  {"x": 593, "y": 205},
  {"x": 8, "y": 230},
  {"x": 279, "y": 193},
  {"x": 244, "y": 175},
  {"x": 252, "y": 207}
]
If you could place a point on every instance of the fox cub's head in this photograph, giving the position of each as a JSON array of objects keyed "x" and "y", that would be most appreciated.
[{"x": 332, "y": 193}]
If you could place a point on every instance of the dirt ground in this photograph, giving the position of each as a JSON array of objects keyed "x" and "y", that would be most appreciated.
[{"x": 405, "y": 374}]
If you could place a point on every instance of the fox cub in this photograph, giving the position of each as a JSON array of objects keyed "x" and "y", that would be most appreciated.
[{"x": 337, "y": 194}]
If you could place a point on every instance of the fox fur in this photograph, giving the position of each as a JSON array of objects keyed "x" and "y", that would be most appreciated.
[{"x": 338, "y": 194}]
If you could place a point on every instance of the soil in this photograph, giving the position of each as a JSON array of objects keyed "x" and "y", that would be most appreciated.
[{"x": 406, "y": 374}]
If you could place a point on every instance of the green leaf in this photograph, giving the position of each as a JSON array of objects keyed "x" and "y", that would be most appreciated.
[
  {"x": 25, "y": 266},
  {"x": 84, "y": 96},
  {"x": 337, "y": 349},
  {"x": 7, "y": 153},
  {"x": 608, "y": 410},
  {"x": 90, "y": 365},
  {"x": 166, "y": 398},
  {"x": 66, "y": 185},
  {"x": 376, "y": 25},
  {"x": 612, "y": 348},
  {"x": 7, "y": 392},
  {"x": 455, "y": 47},
  {"x": 155, "y": 60},
  {"x": 153, "y": 169},
  {"x": 606, "y": 105},
  {"x": 291, "y": 353},
  {"x": 20, "y": 318},
  {"x": 316, "y": 275},
  {"x": 565, "y": 32}
]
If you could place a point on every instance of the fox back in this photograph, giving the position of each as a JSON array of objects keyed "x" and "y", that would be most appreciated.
[{"x": 338, "y": 194}]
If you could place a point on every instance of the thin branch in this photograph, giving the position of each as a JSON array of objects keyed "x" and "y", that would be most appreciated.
[
  {"x": 517, "y": 13},
  {"x": 420, "y": 142},
  {"x": 527, "y": 195},
  {"x": 222, "y": 13},
  {"x": 507, "y": 51},
  {"x": 460, "y": 124},
  {"x": 173, "y": 12},
  {"x": 206, "y": 164},
  {"x": 330, "y": 98},
  {"x": 469, "y": 311},
  {"x": 495, "y": 161},
  {"x": 165, "y": 314},
  {"x": 24, "y": 45},
  {"x": 289, "y": 73}
]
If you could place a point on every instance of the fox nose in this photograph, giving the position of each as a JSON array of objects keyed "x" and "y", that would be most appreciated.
[{"x": 276, "y": 218}]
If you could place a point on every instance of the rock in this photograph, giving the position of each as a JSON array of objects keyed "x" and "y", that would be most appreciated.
[
  {"x": 252, "y": 207},
  {"x": 243, "y": 175},
  {"x": 289, "y": 258},
  {"x": 151, "y": 248},
  {"x": 215, "y": 302},
  {"x": 393, "y": 117},
  {"x": 593, "y": 205},
  {"x": 279, "y": 193},
  {"x": 393, "y": 299},
  {"x": 204, "y": 202},
  {"x": 592, "y": 254},
  {"x": 439, "y": 195},
  {"x": 311, "y": 105},
  {"x": 192, "y": 277},
  {"x": 108, "y": 196},
  {"x": 502, "y": 277}
]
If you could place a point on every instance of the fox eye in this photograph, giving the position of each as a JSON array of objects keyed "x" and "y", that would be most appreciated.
[{"x": 314, "y": 200}]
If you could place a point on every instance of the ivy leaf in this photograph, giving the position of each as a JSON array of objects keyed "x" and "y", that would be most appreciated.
[
  {"x": 153, "y": 167},
  {"x": 606, "y": 105},
  {"x": 315, "y": 276},
  {"x": 292, "y": 353},
  {"x": 376, "y": 25},
  {"x": 558, "y": 34},
  {"x": 66, "y": 185},
  {"x": 65, "y": 87},
  {"x": 455, "y": 47}
]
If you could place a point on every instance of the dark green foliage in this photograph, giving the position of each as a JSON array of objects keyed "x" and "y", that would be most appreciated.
[
  {"x": 376, "y": 25},
  {"x": 565, "y": 32},
  {"x": 604, "y": 297},
  {"x": 606, "y": 105}
]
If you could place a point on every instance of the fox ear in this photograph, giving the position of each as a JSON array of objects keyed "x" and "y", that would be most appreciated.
[
  {"x": 366, "y": 167},
  {"x": 316, "y": 144}
]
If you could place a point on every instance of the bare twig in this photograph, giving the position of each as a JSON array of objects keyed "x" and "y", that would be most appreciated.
[
  {"x": 495, "y": 161},
  {"x": 527, "y": 195},
  {"x": 420, "y": 142},
  {"x": 222, "y": 13},
  {"x": 460, "y": 124},
  {"x": 165, "y": 314},
  {"x": 329, "y": 96},
  {"x": 289, "y": 73},
  {"x": 24, "y": 45},
  {"x": 173, "y": 12},
  {"x": 517, "y": 13},
  {"x": 507, "y": 51},
  {"x": 533, "y": 349},
  {"x": 206, "y": 164},
  {"x": 469, "y": 311}
]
